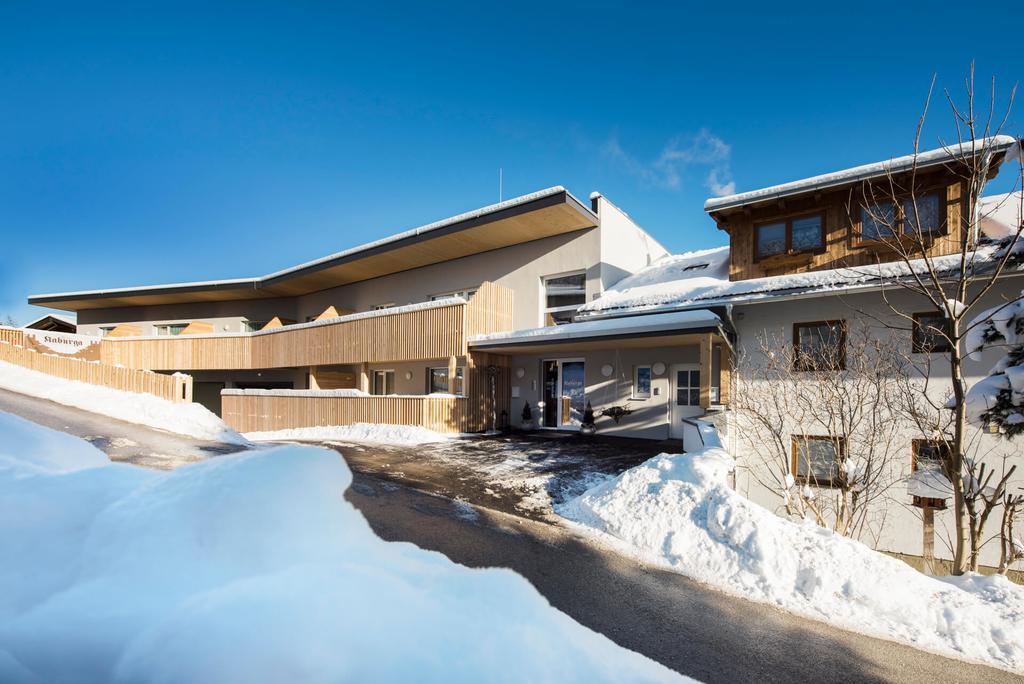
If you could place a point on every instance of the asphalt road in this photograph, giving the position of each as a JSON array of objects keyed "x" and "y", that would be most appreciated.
[{"x": 687, "y": 626}]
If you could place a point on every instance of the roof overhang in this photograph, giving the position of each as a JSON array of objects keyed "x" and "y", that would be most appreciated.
[
  {"x": 654, "y": 330},
  {"x": 996, "y": 147},
  {"x": 531, "y": 217}
]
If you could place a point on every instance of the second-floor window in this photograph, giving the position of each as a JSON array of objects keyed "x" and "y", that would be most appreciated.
[
  {"x": 819, "y": 346},
  {"x": 465, "y": 294},
  {"x": 562, "y": 296},
  {"x": 789, "y": 236},
  {"x": 170, "y": 328},
  {"x": 253, "y": 326},
  {"x": 886, "y": 220},
  {"x": 930, "y": 333}
]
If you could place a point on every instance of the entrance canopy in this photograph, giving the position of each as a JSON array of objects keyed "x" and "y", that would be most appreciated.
[{"x": 651, "y": 330}]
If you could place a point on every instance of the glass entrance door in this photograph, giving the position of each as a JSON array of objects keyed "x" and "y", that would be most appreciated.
[{"x": 565, "y": 392}]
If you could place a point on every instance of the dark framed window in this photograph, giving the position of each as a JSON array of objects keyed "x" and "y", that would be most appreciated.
[
  {"x": 817, "y": 460},
  {"x": 930, "y": 333},
  {"x": 789, "y": 236},
  {"x": 886, "y": 220},
  {"x": 437, "y": 380},
  {"x": 642, "y": 382},
  {"x": 820, "y": 345},
  {"x": 930, "y": 454},
  {"x": 563, "y": 295},
  {"x": 383, "y": 382}
]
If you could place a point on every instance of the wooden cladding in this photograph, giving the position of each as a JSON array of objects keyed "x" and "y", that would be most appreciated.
[
  {"x": 12, "y": 336},
  {"x": 261, "y": 412},
  {"x": 411, "y": 335},
  {"x": 177, "y": 388},
  {"x": 841, "y": 214}
]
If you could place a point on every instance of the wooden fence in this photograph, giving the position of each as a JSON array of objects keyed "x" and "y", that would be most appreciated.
[
  {"x": 176, "y": 388},
  {"x": 259, "y": 411},
  {"x": 12, "y": 336},
  {"x": 432, "y": 332}
]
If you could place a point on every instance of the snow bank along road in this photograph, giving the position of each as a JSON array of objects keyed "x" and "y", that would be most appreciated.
[
  {"x": 121, "y": 441},
  {"x": 676, "y": 621}
]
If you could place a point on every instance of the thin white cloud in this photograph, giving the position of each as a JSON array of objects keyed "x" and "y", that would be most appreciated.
[{"x": 679, "y": 158}]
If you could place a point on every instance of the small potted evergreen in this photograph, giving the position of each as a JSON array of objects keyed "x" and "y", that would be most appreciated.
[
  {"x": 587, "y": 427},
  {"x": 527, "y": 417}
]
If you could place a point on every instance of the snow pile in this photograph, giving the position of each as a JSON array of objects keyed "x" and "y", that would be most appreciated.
[
  {"x": 254, "y": 568},
  {"x": 189, "y": 419},
  {"x": 678, "y": 511},
  {"x": 374, "y": 433}
]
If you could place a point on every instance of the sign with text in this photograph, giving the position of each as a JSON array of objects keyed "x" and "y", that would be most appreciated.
[{"x": 64, "y": 344}]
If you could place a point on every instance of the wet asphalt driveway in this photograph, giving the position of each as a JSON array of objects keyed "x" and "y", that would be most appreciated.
[{"x": 523, "y": 474}]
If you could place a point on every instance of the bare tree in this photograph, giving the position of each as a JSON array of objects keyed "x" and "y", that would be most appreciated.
[
  {"x": 949, "y": 264},
  {"x": 821, "y": 421}
]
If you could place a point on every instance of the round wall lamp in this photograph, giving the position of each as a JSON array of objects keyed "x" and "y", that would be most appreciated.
[
  {"x": 520, "y": 372},
  {"x": 408, "y": 375},
  {"x": 607, "y": 370},
  {"x": 658, "y": 368}
]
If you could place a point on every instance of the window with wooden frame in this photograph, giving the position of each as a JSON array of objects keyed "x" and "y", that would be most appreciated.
[
  {"x": 794, "y": 235},
  {"x": 819, "y": 346},
  {"x": 883, "y": 221},
  {"x": 930, "y": 454},
  {"x": 930, "y": 333},
  {"x": 817, "y": 460}
]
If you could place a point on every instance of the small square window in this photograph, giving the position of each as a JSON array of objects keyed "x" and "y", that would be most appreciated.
[
  {"x": 819, "y": 346},
  {"x": 930, "y": 333},
  {"x": 923, "y": 210},
  {"x": 816, "y": 460},
  {"x": 771, "y": 239},
  {"x": 642, "y": 382},
  {"x": 878, "y": 222},
  {"x": 806, "y": 234}
]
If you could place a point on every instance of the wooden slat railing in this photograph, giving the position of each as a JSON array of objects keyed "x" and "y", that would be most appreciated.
[
  {"x": 433, "y": 332},
  {"x": 260, "y": 411},
  {"x": 12, "y": 336},
  {"x": 176, "y": 388}
]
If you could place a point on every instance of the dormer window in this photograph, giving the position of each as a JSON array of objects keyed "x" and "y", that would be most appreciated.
[
  {"x": 882, "y": 221},
  {"x": 789, "y": 236}
]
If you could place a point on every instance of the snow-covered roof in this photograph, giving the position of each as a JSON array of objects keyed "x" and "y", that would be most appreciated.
[
  {"x": 999, "y": 216},
  {"x": 662, "y": 286},
  {"x": 676, "y": 321},
  {"x": 859, "y": 173}
]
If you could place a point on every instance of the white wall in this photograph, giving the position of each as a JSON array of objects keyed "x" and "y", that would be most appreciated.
[
  {"x": 898, "y": 523},
  {"x": 625, "y": 247}
]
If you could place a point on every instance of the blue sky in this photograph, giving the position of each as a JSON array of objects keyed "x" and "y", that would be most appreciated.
[{"x": 148, "y": 144}]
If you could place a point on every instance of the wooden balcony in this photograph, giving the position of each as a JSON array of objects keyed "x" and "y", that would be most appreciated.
[{"x": 428, "y": 331}]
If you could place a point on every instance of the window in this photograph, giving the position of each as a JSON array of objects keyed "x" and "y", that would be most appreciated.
[
  {"x": 882, "y": 221},
  {"x": 930, "y": 454},
  {"x": 381, "y": 307},
  {"x": 170, "y": 328},
  {"x": 930, "y": 333},
  {"x": 687, "y": 388},
  {"x": 106, "y": 330},
  {"x": 791, "y": 236},
  {"x": 253, "y": 326},
  {"x": 562, "y": 296},
  {"x": 819, "y": 346},
  {"x": 642, "y": 382},
  {"x": 817, "y": 460},
  {"x": 465, "y": 294},
  {"x": 383, "y": 382},
  {"x": 437, "y": 381}
]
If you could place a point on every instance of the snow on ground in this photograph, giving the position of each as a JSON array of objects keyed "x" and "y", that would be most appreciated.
[
  {"x": 678, "y": 511},
  {"x": 251, "y": 568},
  {"x": 189, "y": 419},
  {"x": 373, "y": 433}
]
